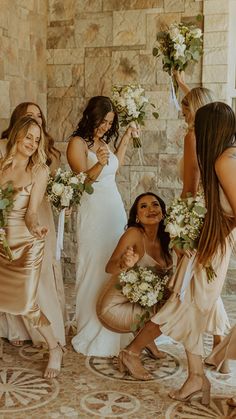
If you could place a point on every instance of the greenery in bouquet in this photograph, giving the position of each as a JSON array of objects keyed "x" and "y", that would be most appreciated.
[
  {"x": 66, "y": 188},
  {"x": 131, "y": 105},
  {"x": 6, "y": 203},
  {"x": 179, "y": 45},
  {"x": 142, "y": 286}
]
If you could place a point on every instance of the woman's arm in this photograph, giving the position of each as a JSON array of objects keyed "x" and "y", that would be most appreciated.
[
  {"x": 180, "y": 78},
  {"x": 123, "y": 144},
  {"x": 78, "y": 160},
  {"x": 226, "y": 172},
  {"x": 37, "y": 193},
  {"x": 127, "y": 252},
  {"x": 191, "y": 176}
]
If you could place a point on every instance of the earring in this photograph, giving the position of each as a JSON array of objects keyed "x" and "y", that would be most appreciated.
[{"x": 137, "y": 219}]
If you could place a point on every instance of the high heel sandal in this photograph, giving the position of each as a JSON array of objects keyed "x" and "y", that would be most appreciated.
[
  {"x": 54, "y": 372},
  {"x": 157, "y": 355},
  {"x": 231, "y": 402},
  {"x": 204, "y": 391},
  {"x": 138, "y": 371}
]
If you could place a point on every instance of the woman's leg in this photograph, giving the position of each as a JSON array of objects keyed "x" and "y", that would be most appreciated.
[
  {"x": 146, "y": 335},
  {"x": 224, "y": 368},
  {"x": 196, "y": 381},
  {"x": 55, "y": 352}
]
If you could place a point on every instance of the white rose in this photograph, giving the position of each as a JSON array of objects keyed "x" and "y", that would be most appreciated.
[
  {"x": 58, "y": 189},
  {"x": 144, "y": 286},
  {"x": 81, "y": 177},
  {"x": 196, "y": 33},
  {"x": 179, "y": 50},
  {"x": 74, "y": 180},
  {"x": 179, "y": 39},
  {"x": 173, "y": 229}
]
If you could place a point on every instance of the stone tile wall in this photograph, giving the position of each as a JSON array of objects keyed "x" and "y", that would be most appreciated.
[{"x": 23, "y": 71}]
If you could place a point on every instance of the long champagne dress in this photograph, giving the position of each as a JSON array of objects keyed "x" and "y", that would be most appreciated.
[
  {"x": 187, "y": 319},
  {"x": 114, "y": 309},
  {"x": 225, "y": 350},
  {"x": 19, "y": 278},
  {"x": 50, "y": 292},
  {"x": 101, "y": 222}
]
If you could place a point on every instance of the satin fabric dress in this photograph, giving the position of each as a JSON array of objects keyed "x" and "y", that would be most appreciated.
[
  {"x": 101, "y": 222},
  {"x": 196, "y": 314},
  {"x": 114, "y": 309},
  {"x": 19, "y": 278},
  {"x": 50, "y": 293},
  {"x": 225, "y": 350}
]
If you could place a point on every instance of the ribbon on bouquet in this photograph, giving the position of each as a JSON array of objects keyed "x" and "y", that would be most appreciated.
[
  {"x": 173, "y": 97},
  {"x": 187, "y": 277},
  {"x": 60, "y": 234},
  {"x": 133, "y": 124}
]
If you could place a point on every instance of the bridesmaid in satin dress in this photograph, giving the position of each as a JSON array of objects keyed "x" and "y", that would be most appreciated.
[
  {"x": 186, "y": 320},
  {"x": 23, "y": 165},
  {"x": 144, "y": 243},
  {"x": 50, "y": 295}
]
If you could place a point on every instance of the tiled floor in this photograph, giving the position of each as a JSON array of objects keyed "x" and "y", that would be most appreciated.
[{"x": 93, "y": 387}]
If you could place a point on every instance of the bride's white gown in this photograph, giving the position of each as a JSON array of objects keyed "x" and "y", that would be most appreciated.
[{"x": 101, "y": 222}]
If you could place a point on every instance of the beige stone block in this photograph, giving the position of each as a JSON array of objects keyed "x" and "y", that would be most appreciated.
[
  {"x": 97, "y": 76},
  {"x": 88, "y": 6},
  {"x": 27, "y": 4},
  {"x": 217, "y": 55},
  {"x": 147, "y": 68},
  {"x": 4, "y": 14},
  {"x": 125, "y": 67},
  {"x": 164, "y": 106},
  {"x": 214, "y": 74},
  {"x": 167, "y": 176},
  {"x": 131, "y": 4},
  {"x": 157, "y": 22},
  {"x": 5, "y": 99},
  {"x": 61, "y": 37},
  {"x": 42, "y": 7},
  {"x": 50, "y": 56},
  {"x": 216, "y": 23},
  {"x": 219, "y": 89},
  {"x": 98, "y": 52},
  {"x": 75, "y": 89},
  {"x": 10, "y": 54},
  {"x": 215, "y": 39},
  {"x": 59, "y": 75},
  {"x": 61, "y": 10},
  {"x": 175, "y": 133},
  {"x": 96, "y": 31},
  {"x": 142, "y": 181},
  {"x": 194, "y": 73},
  {"x": 66, "y": 56},
  {"x": 129, "y": 28},
  {"x": 193, "y": 8},
  {"x": 212, "y": 7},
  {"x": 174, "y": 6}
]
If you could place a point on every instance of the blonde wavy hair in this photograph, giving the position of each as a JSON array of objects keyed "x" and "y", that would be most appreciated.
[
  {"x": 18, "y": 132},
  {"x": 196, "y": 98}
]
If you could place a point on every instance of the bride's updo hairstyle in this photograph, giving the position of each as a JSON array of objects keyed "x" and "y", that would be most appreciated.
[
  {"x": 195, "y": 99},
  {"x": 215, "y": 128},
  {"x": 161, "y": 234},
  {"x": 93, "y": 115}
]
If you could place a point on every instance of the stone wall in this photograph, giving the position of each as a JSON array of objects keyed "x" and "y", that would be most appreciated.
[{"x": 23, "y": 72}]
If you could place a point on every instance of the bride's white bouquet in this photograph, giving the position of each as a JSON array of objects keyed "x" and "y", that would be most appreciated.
[
  {"x": 66, "y": 188},
  {"x": 143, "y": 286},
  {"x": 130, "y": 103},
  {"x": 6, "y": 204},
  {"x": 179, "y": 45}
]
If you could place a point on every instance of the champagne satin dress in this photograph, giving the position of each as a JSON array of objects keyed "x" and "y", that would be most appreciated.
[
  {"x": 115, "y": 311},
  {"x": 19, "y": 278},
  {"x": 198, "y": 312},
  {"x": 225, "y": 350},
  {"x": 50, "y": 293}
]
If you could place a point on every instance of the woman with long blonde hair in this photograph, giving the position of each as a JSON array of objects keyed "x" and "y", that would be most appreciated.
[
  {"x": 24, "y": 165},
  {"x": 50, "y": 294}
]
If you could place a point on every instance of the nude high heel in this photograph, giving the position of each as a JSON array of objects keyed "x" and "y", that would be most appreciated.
[
  {"x": 51, "y": 372},
  {"x": 204, "y": 391},
  {"x": 231, "y": 402},
  {"x": 125, "y": 364}
]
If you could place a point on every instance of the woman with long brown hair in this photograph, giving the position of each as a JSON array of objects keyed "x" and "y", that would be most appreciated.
[
  {"x": 186, "y": 320},
  {"x": 23, "y": 165},
  {"x": 50, "y": 294}
]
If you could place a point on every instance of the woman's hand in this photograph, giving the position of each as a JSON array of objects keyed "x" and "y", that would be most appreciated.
[
  {"x": 39, "y": 232},
  {"x": 182, "y": 252},
  {"x": 180, "y": 78},
  {"x": 132, "y": 131},
  {"x": 68, "y": 212},
  {"x": 102, "y": 154},
  {"x": 129, "y": 258}
]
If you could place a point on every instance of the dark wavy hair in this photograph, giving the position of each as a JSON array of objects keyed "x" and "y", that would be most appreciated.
[
  {"x": 215, "y": 127},
  {"x": 161, "y": 234},
  {"x": 19, "y": 112},
  {"x": 93, "y": 115}
]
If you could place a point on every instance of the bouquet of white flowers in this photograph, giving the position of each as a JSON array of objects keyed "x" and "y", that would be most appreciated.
[
  {"x": 63, "y": 191},
  {"x": 179, "y": 45},
  {"x": 184, "y": 220},
  {"x": 130, "y": 103},
  {"x": 143, "y": 286},
  {"x": 6, "y": 203}
]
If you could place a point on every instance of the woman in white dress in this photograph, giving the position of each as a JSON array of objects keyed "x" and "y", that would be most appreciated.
[
  {"x": 50, "y": 293},
  {"x": 101, "y": 219}
]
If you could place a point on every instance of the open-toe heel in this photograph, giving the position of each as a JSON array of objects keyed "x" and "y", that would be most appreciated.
[
  {"x": 54, "y": 371},
  {"x": 130, "y": 361}
]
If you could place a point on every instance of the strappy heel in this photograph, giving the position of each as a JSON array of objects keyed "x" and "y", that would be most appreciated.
[
  {"x": 204, "y": 391},
  {"x": 54, "y": 372},
  {"x": 138, "y": 371},
  {"x": 157, "y": 355}
]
